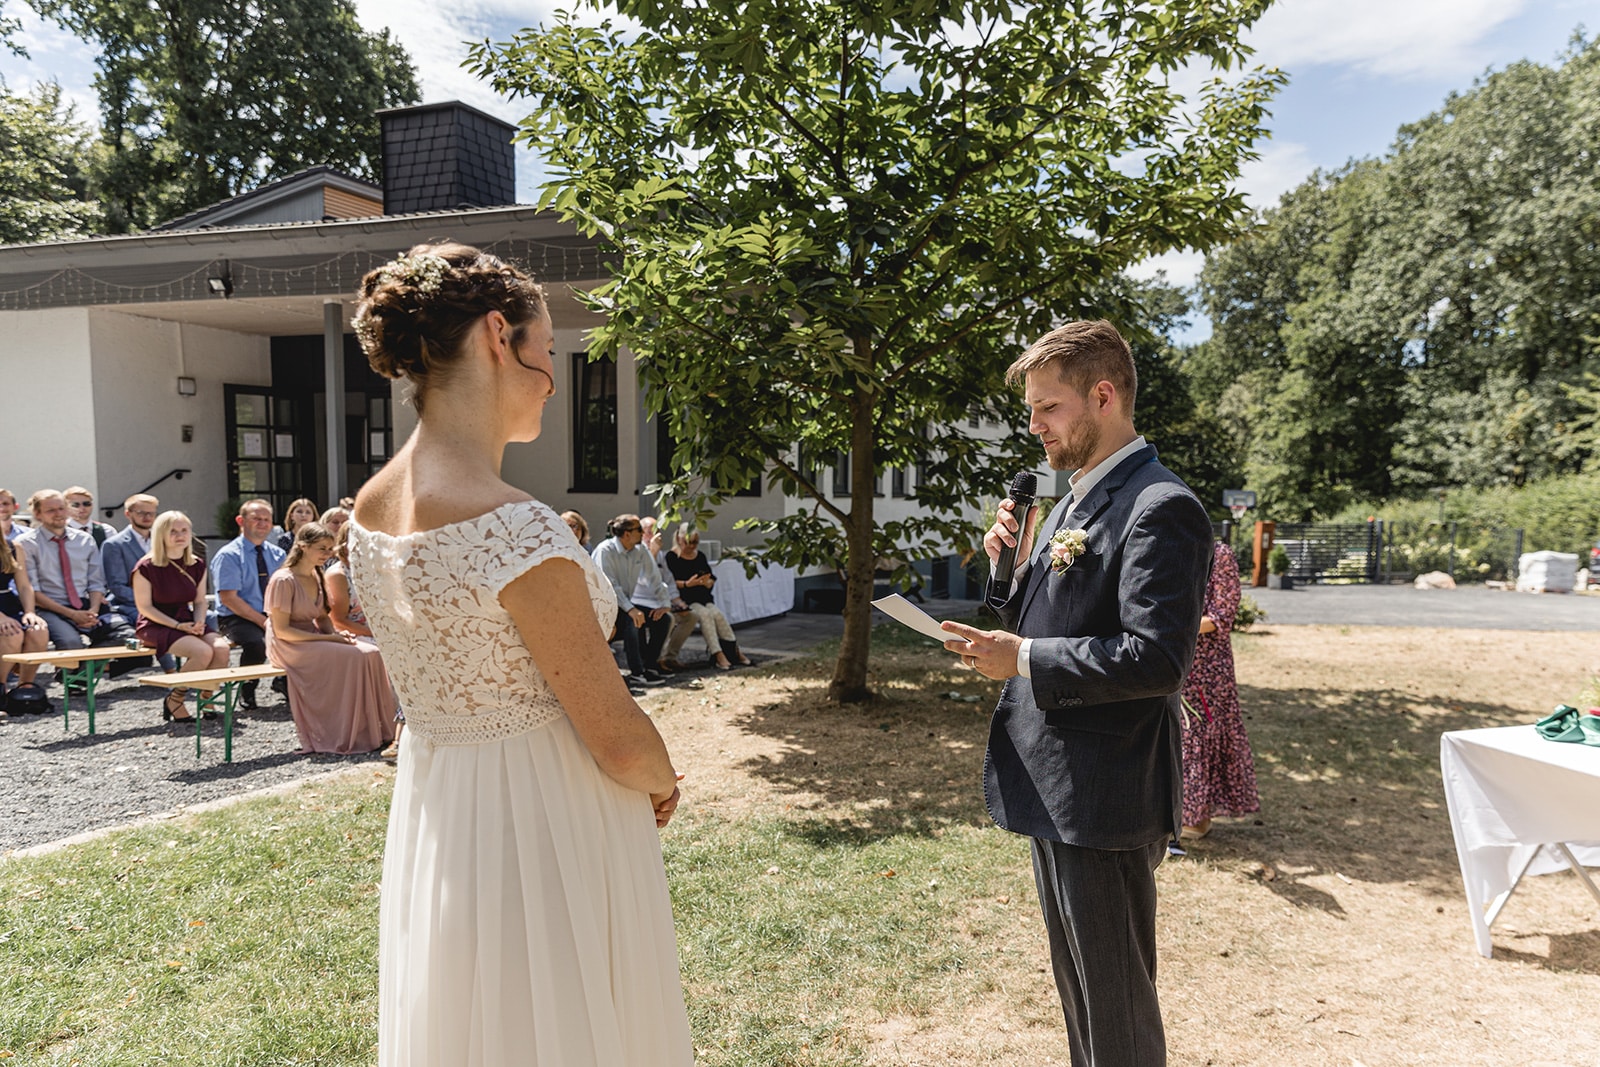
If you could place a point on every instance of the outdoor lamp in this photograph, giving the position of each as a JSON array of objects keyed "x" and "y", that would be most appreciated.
[
  {"x": 221, "y": 284},
  {"x": 186, "y": 387}
]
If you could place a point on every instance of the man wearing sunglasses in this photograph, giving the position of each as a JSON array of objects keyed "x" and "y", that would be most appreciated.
[{"x": 80, "y": 515}]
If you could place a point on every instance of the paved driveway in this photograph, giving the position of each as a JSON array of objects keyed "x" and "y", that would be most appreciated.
[{"x": 1470, "y": 607}]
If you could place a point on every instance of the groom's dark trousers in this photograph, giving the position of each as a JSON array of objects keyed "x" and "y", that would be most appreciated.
[{"x": 1084, "y": 755}]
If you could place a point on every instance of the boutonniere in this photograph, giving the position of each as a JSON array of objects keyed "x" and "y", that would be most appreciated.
[{"x": 1065, "y": 547}]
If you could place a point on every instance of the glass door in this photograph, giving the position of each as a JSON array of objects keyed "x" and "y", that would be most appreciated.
[{"x": 264, "y": 449}]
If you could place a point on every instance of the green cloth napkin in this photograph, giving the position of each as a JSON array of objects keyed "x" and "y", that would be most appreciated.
[{"x": 1567, "y": 723}]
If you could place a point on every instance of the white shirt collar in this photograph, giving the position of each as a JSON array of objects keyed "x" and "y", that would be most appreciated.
[
  {"x": 143, "y": 539},
  {"x": 76, "y": 525},
  {"x": 1084, "y": 481}
]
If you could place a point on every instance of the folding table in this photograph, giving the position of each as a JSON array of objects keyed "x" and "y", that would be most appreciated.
[{"x": 1519, "y": 805}]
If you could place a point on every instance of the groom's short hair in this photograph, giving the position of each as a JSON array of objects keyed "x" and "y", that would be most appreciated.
[{"x": 1083, "y": 353}]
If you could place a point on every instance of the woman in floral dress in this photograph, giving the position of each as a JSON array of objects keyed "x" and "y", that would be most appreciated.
[{"x": 1219, "y": 776}]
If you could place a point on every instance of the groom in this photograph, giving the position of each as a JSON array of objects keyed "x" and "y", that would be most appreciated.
[{"x": 1084, "y": 748}]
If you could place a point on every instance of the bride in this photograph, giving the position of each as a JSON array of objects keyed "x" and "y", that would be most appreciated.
[{"x": 524, "y": 914}]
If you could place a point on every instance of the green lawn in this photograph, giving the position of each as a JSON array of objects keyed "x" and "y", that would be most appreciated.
[{"x": 249, "y": 936}]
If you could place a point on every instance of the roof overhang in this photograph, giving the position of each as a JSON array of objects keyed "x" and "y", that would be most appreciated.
[{"x": 281, "y": 274}]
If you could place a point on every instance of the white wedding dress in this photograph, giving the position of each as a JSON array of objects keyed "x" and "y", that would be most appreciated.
[{"x": 524, "y": 914}]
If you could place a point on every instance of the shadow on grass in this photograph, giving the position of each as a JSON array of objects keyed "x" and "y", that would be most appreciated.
[
  {"x": 1349, "y": 778},
  {"x": 220, "y": 772},
  {"x": 1350, "y": 786},
  {"x": 1579, "y": 952}
]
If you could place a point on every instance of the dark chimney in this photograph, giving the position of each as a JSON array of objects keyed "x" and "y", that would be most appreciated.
[{"x": 438, "y": 157}]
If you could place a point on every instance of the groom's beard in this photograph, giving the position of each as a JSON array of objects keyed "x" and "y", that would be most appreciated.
[{"x": 1073, "y": 449}]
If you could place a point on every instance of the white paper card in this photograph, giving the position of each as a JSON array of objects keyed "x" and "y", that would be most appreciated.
[{"x": 906, "y": 613}]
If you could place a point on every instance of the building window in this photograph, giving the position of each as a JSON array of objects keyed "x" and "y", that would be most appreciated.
[
  {"x": 898, "y": 486},
  {"x": 594, "y": 425},
  {"x": 841, "y": 474}
]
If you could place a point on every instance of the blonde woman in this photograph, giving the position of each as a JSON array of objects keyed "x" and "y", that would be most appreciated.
[
  {"x": 8, "y": 508},
  {"x": 691, "y": 572},
  {"x": 20, "y": 629},
  {"x": 334, "y": 519},
  {"x": 300, "y": 512},
  {"x": 169, "y": 587}
]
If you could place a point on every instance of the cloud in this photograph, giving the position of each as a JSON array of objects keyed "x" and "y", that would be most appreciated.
[
  {"x": 1282, "y": 166},
  {"x": 54, "y": 55},
  {"x": 1181, "y": 268},
  {"x": 1410, "y": 39}
]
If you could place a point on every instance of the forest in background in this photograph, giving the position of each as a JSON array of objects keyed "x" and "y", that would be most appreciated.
[{"x": 1426, "y": 322}]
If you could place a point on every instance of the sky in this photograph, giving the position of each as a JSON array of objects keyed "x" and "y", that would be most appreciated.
[{"x": 1358, "y": 70}]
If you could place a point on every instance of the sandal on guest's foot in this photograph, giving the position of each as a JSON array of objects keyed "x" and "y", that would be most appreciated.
[
  {"x": 721, "y": 662},
  {"x": 174, "y": 704}
]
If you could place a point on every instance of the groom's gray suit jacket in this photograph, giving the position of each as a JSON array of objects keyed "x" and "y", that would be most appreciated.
[{"x": 1088, "y": 750}]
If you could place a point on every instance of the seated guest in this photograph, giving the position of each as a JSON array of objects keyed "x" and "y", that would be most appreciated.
[
  {"x": 8, "y": 508},
  {"x": 121, "y": 553},
  {"x": 240, "y": 573},
  {"x": 333, "y": 520},
  {"x": 80, "y": 515},
  {"x": 344, "y": 607},
  {"x": 21, "y": 630},
  {"x": 579, "y": 528},
  {"x": 622, "y": 559},
  {"x": 68, "y": 585},
  {"x": 300, "y": 512},
  {"x": 692, "y": 573},
  {"x": 339, "y": 691},
  {"x": 169, "y": 587},
  {"x": 654, "y": 595}
]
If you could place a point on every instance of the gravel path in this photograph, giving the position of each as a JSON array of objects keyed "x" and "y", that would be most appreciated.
[{"x": 63, "y": 782}]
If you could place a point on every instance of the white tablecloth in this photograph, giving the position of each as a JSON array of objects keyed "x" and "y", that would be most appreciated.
[
  {"x": 1512, "y": 795},
  {"x": 769, "y": 593}
]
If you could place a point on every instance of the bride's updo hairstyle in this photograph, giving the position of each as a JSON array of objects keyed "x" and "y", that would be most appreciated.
[{"x": 416, "y": 311}]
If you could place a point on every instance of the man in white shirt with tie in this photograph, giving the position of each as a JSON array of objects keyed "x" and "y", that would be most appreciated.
[{"x": 68, "y": 583}]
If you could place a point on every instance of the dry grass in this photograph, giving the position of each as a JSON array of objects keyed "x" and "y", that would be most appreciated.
[{"x": 1331, "y": 930}]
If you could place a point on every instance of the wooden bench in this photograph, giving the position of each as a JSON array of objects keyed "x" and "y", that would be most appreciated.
[
  {"x": 226, "y": 682},
  {"x": 82, "y": 666}
]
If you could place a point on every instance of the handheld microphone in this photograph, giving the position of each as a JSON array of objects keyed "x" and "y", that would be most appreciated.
[{"x": 1023, "y": 489}]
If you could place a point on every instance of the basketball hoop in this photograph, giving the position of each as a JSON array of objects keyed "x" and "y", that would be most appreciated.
[{"x": 1238, "y": 511}]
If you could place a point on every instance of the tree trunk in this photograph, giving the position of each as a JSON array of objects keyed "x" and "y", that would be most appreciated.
[{"x": 849, "y": 682}]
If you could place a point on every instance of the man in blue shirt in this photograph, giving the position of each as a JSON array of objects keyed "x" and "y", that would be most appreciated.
[{"x": 240, "y": 573}]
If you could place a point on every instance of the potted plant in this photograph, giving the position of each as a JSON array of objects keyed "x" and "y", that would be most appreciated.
[{"x": 1278, "y": 569}]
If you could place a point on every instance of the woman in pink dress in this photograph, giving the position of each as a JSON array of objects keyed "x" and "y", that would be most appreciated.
[
  {"x": 339, "y": 691},
  {"x": 1219, "y": 774},
  {"x": 169, "y": 589}
]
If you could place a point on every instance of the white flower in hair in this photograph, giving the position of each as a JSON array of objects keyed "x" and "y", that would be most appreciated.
[{"x": 424, "y": 270}]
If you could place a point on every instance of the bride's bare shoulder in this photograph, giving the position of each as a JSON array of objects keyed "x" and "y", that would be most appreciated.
[{"x": 400, "y": 501}]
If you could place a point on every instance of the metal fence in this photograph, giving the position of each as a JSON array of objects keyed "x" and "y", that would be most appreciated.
[{"x": 1381, "y": 551}]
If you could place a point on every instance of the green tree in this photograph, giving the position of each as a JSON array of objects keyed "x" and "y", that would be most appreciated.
[
  {"x": 1426, "y": 319},
  {"x": 43, "y": 161},
  {"x": 837, "y": 223},
  {"x": 1191, "y": 439},
  {"x": 203, "y": 99}
]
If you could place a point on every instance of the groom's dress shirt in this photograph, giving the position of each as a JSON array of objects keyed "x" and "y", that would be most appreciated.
[{"x": 1083, "y": 483}]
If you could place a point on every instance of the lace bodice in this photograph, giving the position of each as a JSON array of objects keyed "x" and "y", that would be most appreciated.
[{"x": 432, "y": 599}]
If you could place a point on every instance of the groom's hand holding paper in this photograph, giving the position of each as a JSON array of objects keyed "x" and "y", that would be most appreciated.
[{"x": 992, "y": 653}]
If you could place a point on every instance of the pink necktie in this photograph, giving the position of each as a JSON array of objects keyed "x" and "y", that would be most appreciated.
[{"x": 66, "y": 573}]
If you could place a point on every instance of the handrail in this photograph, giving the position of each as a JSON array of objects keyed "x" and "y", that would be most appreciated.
[{"x": 176, "y": 473}]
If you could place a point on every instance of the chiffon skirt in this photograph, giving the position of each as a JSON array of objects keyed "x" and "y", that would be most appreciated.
[{"x": 524, "y": 912}]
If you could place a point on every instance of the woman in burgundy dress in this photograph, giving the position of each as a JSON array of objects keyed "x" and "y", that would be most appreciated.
[
  {"x": 1219, "y": 775},
  {"x": 169, "y": 587}
]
